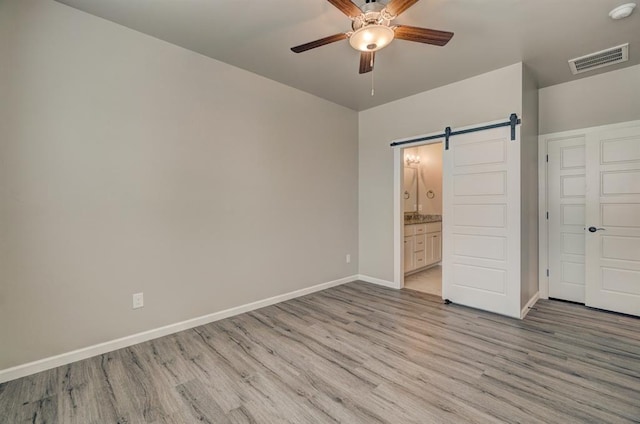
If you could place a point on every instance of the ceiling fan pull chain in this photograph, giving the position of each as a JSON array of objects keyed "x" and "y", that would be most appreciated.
[{"x": 372, "y": 89}]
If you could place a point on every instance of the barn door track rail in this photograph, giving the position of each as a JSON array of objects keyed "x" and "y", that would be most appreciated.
[{"x": 512, "y": 122}]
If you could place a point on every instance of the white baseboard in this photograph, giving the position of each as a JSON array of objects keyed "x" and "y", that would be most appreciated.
[
  {"x": 529, "y": 305},
  {"x": 378, "y": 281},
  {"x": 101, "y": 348}
]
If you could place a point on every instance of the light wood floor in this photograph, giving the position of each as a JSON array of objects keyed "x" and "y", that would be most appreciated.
[
  {"x": 427, "y": 281},
  {"x": 357, "y": 353}
]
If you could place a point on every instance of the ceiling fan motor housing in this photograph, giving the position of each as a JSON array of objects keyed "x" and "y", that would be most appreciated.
[
  {"x": 370, "y": 18},
  {"x": 372, "y": 6}
]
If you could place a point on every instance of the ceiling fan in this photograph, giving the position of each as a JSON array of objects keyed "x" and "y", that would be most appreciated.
[{"x": 372, "y": 29}]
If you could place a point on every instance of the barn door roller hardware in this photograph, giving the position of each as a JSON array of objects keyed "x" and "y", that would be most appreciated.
[{"x": 448, "y": 133}]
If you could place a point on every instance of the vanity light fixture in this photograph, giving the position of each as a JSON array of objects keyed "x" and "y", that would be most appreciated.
[{"x": 411, "y": 159}]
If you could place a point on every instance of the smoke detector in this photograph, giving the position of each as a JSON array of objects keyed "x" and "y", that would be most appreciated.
[
  {"x": 599, "y": 59},
  {"x": 622, "y": 12}
]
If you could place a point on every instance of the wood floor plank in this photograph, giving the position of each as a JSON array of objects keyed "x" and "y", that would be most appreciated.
[
  {"x": 203, "y": 408},
  {"x": 42, "y": 411},
  {"x": 356, "y": 353},
  {"x": 85, "y": 394}
]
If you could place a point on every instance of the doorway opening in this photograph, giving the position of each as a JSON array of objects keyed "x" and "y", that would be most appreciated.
[{"x": 422, "y": 217}]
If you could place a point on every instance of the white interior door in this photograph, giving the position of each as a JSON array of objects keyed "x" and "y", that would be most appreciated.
[
  {"x": 566, "y": 186},
  {"x": 481, "y": 221},
  {"x": 613, "y": 214}
]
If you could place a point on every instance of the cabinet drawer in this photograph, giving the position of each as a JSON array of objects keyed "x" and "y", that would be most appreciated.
[
  {"x": 419, "y": 260},
  {"x": 432, "y": 227},
  {"x": 420, "y": 241},
  {"x": 420, "y": 228},
  {"x": 409, "y": 230}
]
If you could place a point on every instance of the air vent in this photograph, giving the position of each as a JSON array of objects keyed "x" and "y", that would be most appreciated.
[{"x": 600, "y": 59}]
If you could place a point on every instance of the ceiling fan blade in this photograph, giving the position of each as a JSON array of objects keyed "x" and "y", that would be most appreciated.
[
  {"x": 347, "y": 7},
  {"x": 396, "y": 7},
  {"x": 318, "y": 43},
  {"x": 423, "y": 35},
  {"x": 366, "y": 61}
]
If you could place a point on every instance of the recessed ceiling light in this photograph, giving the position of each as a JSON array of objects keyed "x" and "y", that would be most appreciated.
[{"x": 622, "y": 12}]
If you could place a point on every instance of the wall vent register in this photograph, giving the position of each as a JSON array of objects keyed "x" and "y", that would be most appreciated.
[{"x": 599, "y": 59}]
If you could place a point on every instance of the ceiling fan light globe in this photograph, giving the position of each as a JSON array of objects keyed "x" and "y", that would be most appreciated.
[{"x": 371, "y": 38}]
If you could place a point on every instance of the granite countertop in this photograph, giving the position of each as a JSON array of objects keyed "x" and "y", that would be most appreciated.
[{"x": 421, "y": 219}]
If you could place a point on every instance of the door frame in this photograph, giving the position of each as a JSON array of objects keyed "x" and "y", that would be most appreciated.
[
  {"x": 398, "y": 202},
  {"x": 543, "y": 242}
]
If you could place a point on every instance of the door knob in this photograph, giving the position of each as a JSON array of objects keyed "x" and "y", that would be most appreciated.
[{"x": 594, "y": 229}]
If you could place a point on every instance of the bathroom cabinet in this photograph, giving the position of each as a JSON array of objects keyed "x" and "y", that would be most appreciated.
[{"x": 422, "y": 245}]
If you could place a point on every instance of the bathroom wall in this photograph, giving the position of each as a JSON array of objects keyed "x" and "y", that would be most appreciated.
[
  {"x": 410, "y": 182},
  {"x": 430, "y": 178}
]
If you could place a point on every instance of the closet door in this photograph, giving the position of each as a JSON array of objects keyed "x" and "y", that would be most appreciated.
[
  {"x": 613, "y": 221},
  {"x": 481, "y": 221},
  {"x": 566, "y": 187}
]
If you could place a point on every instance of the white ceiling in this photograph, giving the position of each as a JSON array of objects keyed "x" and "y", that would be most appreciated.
[{"x": 489, "y": 34}]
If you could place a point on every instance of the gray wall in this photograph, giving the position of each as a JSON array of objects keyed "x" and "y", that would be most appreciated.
[
  {"x": 483, "y": 98},
  {"x": 529, "y": 188},
  {"x": 599, "y": 100},
  {"x": 128, "y": 164}
]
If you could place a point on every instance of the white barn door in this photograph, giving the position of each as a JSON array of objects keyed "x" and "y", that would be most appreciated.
[
  {"x": 613, "y": 215},
  {"x": 481, "y": 221}
]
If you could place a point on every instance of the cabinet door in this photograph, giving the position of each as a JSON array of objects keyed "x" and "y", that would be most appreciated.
[
  {"x": 436, "y": 243},
  {"x": 428, "y": 251},
  {"x": 408, "y": 254}
]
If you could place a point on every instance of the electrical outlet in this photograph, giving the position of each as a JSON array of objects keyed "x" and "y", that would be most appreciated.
[
  {"x": 138, "y": 300},
  {"x": 348, "y": 258}
]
